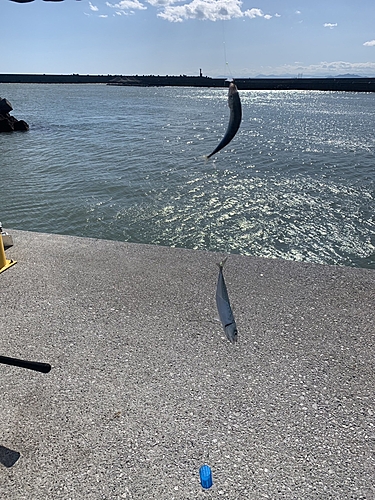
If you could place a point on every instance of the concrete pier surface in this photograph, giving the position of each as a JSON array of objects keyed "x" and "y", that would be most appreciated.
[{"x": 144, "y": 388}]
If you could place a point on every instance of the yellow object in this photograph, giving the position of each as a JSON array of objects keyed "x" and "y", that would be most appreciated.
[{"x": 4, "y": 262}]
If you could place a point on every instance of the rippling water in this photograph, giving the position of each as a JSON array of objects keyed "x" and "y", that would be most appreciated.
[{"x": 297, "y": 182}]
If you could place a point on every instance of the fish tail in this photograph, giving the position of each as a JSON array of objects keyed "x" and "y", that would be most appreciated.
[{"x": 221, "y": 264}]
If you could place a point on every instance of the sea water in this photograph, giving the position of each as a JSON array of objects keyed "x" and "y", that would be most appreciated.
[{"x": 127, "y": 163}]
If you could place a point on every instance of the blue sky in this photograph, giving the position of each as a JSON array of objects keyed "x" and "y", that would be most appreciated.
[{"x": 223, "y": 37}]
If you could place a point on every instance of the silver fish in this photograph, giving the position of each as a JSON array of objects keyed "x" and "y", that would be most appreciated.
[
  {"x": 223, "y": 306},
  {"x": 235, "y": 118}
]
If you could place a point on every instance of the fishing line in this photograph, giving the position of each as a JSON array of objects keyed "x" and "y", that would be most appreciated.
[{"x": 226, "y": 63}]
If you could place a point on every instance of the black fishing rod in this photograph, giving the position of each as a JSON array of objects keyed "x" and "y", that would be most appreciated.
[{"x": 31, "y": 365}]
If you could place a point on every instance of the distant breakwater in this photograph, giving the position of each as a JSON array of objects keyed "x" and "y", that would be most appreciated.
[{"x": 325, "y": 84}]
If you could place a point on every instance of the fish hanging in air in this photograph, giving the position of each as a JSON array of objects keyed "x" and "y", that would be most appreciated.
[
  {"x": 235, "y": 118},
  {"x": 223, "y": 306}
]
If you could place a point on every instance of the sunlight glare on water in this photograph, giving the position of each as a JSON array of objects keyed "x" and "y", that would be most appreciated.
[{"x": 297, "y": 182}]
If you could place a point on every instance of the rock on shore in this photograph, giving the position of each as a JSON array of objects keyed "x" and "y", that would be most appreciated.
[{"x": 9, "y": 123}]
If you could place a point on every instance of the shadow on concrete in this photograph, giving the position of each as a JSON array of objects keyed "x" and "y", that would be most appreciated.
[{"x": 8, "y": 457}]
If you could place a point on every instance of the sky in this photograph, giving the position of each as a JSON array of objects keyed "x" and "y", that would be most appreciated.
[{"x": 230, "y": 38}]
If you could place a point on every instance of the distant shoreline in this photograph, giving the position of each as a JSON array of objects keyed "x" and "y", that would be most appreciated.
[{"x": 326, "y": 84}]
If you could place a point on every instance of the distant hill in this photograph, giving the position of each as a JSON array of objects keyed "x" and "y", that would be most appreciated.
[
  {"x": 288, "y": 75},
  {"x": 348, "y": 75}
]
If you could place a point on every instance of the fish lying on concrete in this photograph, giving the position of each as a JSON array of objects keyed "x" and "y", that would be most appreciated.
[
  {"x": 235, "y": 118},
  {"x": 223, "y": 306}
]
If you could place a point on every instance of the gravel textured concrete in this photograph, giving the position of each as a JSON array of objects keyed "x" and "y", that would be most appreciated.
[{"x": 144, "y": 387}]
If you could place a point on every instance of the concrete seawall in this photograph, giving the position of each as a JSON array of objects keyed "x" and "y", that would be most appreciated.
[
  {"x": 324, "y": 84},
  {"x": 144, "y": 388}
]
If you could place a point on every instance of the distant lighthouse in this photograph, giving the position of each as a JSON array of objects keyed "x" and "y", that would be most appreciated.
[{"x": 200, "y": 73}]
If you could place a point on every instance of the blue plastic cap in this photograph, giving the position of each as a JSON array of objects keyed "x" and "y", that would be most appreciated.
[{"x": 206, "y": 476}]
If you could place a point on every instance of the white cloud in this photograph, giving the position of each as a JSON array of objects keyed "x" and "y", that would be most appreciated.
[
  {"x": 370, "y": 43},
  {"x": 127, "y": 5},
  {"x": 181, "y": 10},
  {"x": 253, "y": 13},
  {"x": 161, "y": 3},
  {"x": 211, "y": 10},
  {"x": 205, "y": 10},
  {"x": 93, "y": 7},
  {"x": 330, "y": 25},
  {"x": 326, "y": 68}
]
